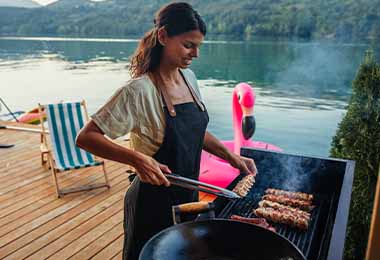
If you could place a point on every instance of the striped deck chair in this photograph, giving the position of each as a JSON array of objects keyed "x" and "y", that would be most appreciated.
[{"x": 64, "y": 122}]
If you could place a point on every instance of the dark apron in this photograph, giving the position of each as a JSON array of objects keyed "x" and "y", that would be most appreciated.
[{"x": 148, "y": 208}]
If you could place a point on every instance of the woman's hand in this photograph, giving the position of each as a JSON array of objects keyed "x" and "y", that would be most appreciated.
[
  {"x": 214, "y": 146},
  {"x": 151, "y": 171},
  {"x": 244, "y": 164}
]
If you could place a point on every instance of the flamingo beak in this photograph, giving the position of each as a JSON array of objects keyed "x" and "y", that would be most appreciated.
[{"x": 248, "y": 126}]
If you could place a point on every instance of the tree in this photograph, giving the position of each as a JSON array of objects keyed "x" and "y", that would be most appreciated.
[
  {"x": 358, "y": 138},
  {"x": 248, "y": 31}
]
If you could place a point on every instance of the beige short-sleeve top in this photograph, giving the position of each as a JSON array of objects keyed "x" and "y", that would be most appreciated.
[{"x": 137, "y": 108}]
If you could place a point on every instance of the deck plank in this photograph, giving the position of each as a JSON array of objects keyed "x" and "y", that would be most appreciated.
[
  {"x": 44, "y": 214},
  {"x": 97, "y": 245},
  {"x": 34, "y": 195},
  {"x": 82, "y": 242},
  {"x": 23, "y": 215},
  {"x": 112, "y": 251},
  {"x": 58, "y": 227}
]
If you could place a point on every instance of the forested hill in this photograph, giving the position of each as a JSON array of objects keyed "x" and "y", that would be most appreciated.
[{"x": 342, "y": 19}]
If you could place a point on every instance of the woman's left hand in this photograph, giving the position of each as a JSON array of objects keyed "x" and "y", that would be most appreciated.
[
  {"x": 244, "y": 164},
  {"x": 215, "y": 147}
]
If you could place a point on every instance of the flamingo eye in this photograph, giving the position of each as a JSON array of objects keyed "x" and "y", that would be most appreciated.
[{"x": 239, "y": 97}]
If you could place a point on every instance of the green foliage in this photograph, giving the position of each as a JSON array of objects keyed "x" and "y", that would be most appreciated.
[
  {"x": 345, "y": 19},
  {"x": 358, "y": 138}
]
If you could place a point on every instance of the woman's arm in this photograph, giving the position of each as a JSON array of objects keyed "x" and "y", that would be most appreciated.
[
  {"x": 92, "y": 139},
  {"x": 212, "y": 145}
]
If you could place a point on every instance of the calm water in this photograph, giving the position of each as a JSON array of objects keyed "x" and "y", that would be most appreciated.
[{"x": 302, "y": 88}]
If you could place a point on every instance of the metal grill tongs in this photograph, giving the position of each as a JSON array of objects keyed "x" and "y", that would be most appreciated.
[{"x": 200, "y": 186}]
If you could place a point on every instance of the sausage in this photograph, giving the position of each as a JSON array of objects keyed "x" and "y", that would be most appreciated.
[
  {"x": 291, "y": 194},
  {"x": 283, "y": 218},
  {"x": 284, "y": 209},
  {"x": 255, "y": 221},
  {"x": 301, "y": 204}
]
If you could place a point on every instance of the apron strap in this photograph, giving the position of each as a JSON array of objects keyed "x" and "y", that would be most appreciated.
[
  {"x": 167, "y": 100},
  {"x": 195, "y": 97}
]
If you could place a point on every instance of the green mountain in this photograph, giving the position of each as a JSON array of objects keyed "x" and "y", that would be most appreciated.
[
  {"x": 342, "y": 19},
  {"x": 19, "y": 3},
  {"x": 62, "y": 4}
]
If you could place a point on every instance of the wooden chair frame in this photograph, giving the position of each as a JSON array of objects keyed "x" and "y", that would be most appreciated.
[
  {"x": 373, "y": 249},
  {"x": 47, "y": 159}
]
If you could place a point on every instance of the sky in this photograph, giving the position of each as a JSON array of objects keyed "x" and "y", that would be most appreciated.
[{"x": 45, "y": 2}]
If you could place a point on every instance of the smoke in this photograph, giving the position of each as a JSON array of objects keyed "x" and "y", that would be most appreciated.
[
  {"x": 301, "y": 173},
  {"x": 321, "y": 70},
  {"x": 290, "y": 172},
  {"x": 296, "y": 177}
]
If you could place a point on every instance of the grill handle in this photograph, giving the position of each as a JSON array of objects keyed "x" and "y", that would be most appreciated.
[{"x": 193, "y": 208}]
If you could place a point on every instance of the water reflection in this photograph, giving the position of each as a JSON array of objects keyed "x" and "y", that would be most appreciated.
[{"x": 298, "y": 84}]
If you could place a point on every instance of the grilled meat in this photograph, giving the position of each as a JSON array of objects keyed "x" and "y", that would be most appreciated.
[
  {"x": 301, "y": 204},
  {"x": 256, "y": 221},
  {"x": 244, "y": 185},
  {"x": 281, "y": 217},
  {"x": 284, "y": 209},
  {"x": 290, "y": 194}
]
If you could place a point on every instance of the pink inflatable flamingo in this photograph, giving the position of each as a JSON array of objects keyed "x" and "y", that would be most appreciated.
[{"x": 217, "y": 171}]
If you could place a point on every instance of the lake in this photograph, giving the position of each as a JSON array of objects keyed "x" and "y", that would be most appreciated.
[{"x": 302, "y": 88}]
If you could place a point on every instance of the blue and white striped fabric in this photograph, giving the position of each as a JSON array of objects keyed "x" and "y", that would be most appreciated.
[{"x": 65, "y": 120}]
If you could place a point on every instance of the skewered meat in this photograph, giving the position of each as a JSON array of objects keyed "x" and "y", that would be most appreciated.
[
  {"x": 283, "y": 218},
  {"x": 244, "y": 185},
  {"x": 290, "y": 194},
  {"x": 256, "y": 221},
  {"x": 301, "y": 204},
  {"x": 284, "y": 209}
]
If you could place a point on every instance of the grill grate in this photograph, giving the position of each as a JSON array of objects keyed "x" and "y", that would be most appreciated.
[{"x": 304, "y": 240}]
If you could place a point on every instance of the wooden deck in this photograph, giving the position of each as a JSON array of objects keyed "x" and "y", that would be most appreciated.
[{"x": 35, "y": 224}]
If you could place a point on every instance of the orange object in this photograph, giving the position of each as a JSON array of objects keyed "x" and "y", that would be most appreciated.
[
  {"x": 373, "y": 250},
  {"x": 206, "y": 197},
  {"x": 32, "y": 117}
]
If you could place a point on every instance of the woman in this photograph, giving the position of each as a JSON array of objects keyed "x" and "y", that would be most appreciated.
[{"x": 161, "y": 108}]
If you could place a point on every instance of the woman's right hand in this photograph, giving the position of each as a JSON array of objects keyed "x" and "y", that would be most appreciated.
[{"x": 151, "y": 171}]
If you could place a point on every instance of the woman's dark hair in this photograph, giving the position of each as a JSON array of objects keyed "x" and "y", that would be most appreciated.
[{"x": 177, "y": 18}]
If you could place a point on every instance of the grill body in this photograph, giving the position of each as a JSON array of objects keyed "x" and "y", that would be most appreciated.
[{"x": 330, "y": 180}]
